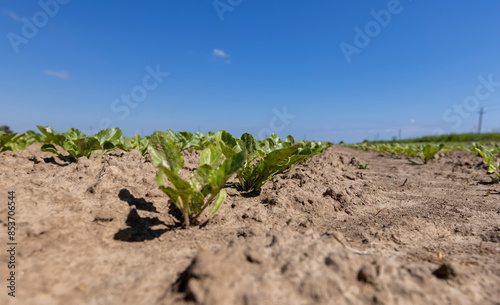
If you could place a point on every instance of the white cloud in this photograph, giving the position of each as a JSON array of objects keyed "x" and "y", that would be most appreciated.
[
  {"x": 220, "y": 53},
  {"x": 412, "y": 121},
  {"x": 60, "y": 74},
  {"x": 13, "y": 15}
]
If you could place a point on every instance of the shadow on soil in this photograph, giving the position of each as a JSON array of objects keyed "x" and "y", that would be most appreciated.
[
  {"x": 140, "y": 228},
  {"x": 51, "y": 160},
  {"x": 492, "y": 182},
  {"x": 139, "y": 203},
  {"x": 240, "y": 192}
]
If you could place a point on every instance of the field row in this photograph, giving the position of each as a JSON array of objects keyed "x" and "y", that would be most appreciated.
[
  {"x": 425, "y": 152},
  {"x": 253, "y": 161}
]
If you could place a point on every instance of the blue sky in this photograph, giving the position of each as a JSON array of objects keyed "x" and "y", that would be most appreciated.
[{"x": 323, "y": 70}]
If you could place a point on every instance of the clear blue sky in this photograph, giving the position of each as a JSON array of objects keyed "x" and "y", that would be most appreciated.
[{"x": 341, "y": 70}]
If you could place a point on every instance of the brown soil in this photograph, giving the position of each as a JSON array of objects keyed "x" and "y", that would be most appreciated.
[{"x": 100, "y": 232}]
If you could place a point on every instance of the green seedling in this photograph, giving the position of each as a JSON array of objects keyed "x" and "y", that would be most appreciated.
[
  {"x": 189, "y": 141},
  {"x": 110, "y": 139},
  {"x": 8, "y": 141},
  {"x": 17, "y": 142},
  {"x": 77, "y": 144},
  {"x": 490, "y": 159},
  {"x": 275, "y": 156},
  {"x": 267, "y": 157},
  {"x": 141, "y": 144},
  {"x": 496, "y": 148},
  {"x": 428, "y": 151},
  {"x": 362, "y": 165},
  {"x": 203, "y": 140},
  {"x": 206, "y": 184},
  {"x": 73, "y": 141},
  {"x": 425, "y": 152},
  {"x": 31, "y": 137}
]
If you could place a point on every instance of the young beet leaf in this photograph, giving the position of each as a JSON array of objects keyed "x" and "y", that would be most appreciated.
[
  {"x": 497, "y": 148},
  {"x": 409, "y": 152},
  {"x": 227, "y": 143},
  {"x": 205, "y": 139},
  {"x": 77, "y": 144},
  {"x": 231, "y": 146},
  {"x": 73, "y": 141},
  {"x": 273, "y": 142},
  {"x": 111, "y": 138},
  {"x": 275, "y": 155},
  {"x": 428, "y": 151},
  {"x": 185, "y": 140},
  {"x": 305, "y": 152},
  {"x": 141, "y": 144},
  {"x": 31, "y": 137},
  {"x": 254, "y": 176},
  {"x": 251, "y": 145},
  {"x": 10, "y": 141},
  {"x": 490, "y": 159},
  {"x": 192, "y": 197}
]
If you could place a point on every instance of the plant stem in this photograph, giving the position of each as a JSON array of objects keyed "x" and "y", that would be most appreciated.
[{"x": 210, "y": 200}]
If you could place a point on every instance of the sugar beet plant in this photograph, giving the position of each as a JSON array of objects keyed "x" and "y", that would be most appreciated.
[
  {"x": 274, "y": 157},
  {"x": 186, "y": 140},
  {"x": 8, "y": 141},
  {"x": 194, "y": 196},
  {"x": 424, "y": 152},
  {"x": 428, "y": 151},
  {"x": 17, "y": 142},
  {"x": 490, "y": 159},
  {"x": 77, "y": 144},
  {"x": 267, "y": 157},
  {"x": 136, "y": 142}
]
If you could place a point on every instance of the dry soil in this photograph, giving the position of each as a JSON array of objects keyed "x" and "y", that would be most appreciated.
[{"x": 326, "y": 232}]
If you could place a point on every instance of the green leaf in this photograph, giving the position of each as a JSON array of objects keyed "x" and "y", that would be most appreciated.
[
  {"x": 74, "y": 134},
  {"x": 429, "y": 151},
  {"x": 137, "y": 143},
  {"x": 227, "y": 143},
  {"x": 227, "y": 169},
  {"x": 275, "y": 138},
  {"x": 5, "y": 138},
  {"x": 86, "y": 145},
  {"x": 172, "y": 194},
  {"x": 31, "y": 137},
  {"x": 211, "y": 156},
  {"x": 123, "y": 143},
  {"x": 290, "y": 139},
  {"x": 109, "y": 139},
  {"x": 192, "y": 197},
  {"x": 52, "y": 149},
  {"x": 164, "y": 149},
  {"x": 77, "y": 144},
  {"x": 52, "y": 136},
  {"x": 488, "y": 157},
  {"x": 248, "y": 143},
  {"x": 254, "y": 176},
  {"x": 218, "y": 203},
  {"x": 111, "y": 135},
  {"x": 13, "y": 146},
  {"x": 182, "y": 187}
]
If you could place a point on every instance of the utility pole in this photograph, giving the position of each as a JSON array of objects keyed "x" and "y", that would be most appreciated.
[
  {"x": 481, "y": 112},
  {"x": 399, "y": 133}
]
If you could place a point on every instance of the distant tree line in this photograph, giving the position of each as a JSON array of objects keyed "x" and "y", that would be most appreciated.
[
  {"x": 5, "y": 129},
  {"x": 453, "y": 137}
]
